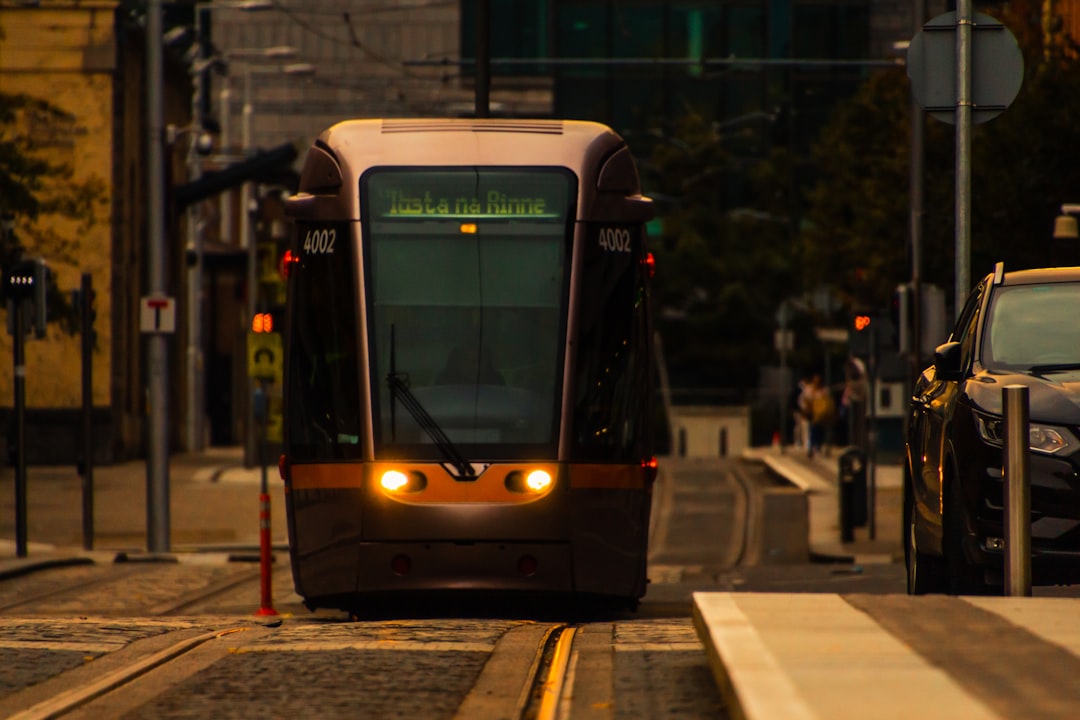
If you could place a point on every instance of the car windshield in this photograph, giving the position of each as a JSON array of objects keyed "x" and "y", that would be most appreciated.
[{"x": 1033, "y": 327}]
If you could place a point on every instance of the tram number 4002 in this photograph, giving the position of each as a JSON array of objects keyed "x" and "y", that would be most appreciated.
[
  {"x": 615, "y": 239},
  {"x": 320, "y": 242}
]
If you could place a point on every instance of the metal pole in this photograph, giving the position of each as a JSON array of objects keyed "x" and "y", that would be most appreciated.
[
  {"x": 483, "y": 58},
  {"x": 872, "y": 435},
  {"x": 918, "y": 159},
  {"x": 87, "y": 289},
  {"x": 157, "y": 456},
  {"x": 248, "y": 241},
  {"x": 1017, "y": 492},
  {"x": 224, "y": 117},
  {"x": 195, "y": 245},
  {"x": 19, "y": 353},
  {"x": 964, "y": 24},
  {"x": 785, "y": 386}
]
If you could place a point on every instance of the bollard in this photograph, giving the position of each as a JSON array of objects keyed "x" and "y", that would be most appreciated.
[
  {"x": 1017, "y": 492},
  {"x": 266, "y": 604}
]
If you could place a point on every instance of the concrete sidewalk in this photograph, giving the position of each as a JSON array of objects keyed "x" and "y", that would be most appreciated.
[
  {"x": 214, "y": 506},
  {"x": 778, "y": 655},
  {"x": 880, "y": 540}
]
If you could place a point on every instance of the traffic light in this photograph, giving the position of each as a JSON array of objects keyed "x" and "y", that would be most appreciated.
[
  {"x": 871, "y": 331},
  {"x": 27, "y": 281},
  {"x": 862, "y": 324},
  {"x": 262, "y": 323}
]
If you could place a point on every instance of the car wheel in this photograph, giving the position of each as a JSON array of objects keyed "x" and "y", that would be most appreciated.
[
  {"x": 925, "y": 573},
  {"x": 963, "y": 577}
]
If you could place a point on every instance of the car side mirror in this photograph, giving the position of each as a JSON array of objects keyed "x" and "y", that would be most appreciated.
[{"x": 948, "y": 362}]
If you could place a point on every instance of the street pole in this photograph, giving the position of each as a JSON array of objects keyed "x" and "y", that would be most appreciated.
[
  {"x": 19, "y": 356},
  {"x": 157, "y": 455},
  {"x": 195, "y": 245},
  {"x": 248, "y": 242},
  {"x": 918, "y": 160},
  {"x": 964, "y": 24},
  {"x": 225, "y": 229},
  {"x": 483, "y": 58}
]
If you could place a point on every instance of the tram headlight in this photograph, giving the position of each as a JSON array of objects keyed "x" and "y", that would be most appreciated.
[
  {"x": 536, "y": 482},
  {"x": 395, "y": 481}
]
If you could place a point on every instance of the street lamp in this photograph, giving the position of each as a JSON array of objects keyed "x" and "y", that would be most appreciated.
[
  {"x": 195, "y": 385},
  {"x": 1065, "y": 227},
  {"x": 247, "y": 238},
  {"x": 277, "y": 52}
]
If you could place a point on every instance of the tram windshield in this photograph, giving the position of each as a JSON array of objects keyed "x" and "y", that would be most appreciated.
[{"x": 466, "y": 275}]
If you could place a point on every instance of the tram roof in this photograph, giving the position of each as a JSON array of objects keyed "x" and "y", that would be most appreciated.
[{"x": 454, "y": 141}]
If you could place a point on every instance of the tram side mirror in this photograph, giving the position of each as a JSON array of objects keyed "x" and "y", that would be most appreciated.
[{"x": 947, "y": 362}]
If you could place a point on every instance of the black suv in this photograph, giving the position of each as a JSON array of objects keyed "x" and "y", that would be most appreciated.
[{"x": 1020, "y": 327}]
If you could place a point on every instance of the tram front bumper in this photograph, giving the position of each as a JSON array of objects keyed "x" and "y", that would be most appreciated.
[{"x": 393, "y": 567}]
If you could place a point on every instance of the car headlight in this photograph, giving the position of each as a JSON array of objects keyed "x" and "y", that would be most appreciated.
[{"x": 1042, "y": 438}]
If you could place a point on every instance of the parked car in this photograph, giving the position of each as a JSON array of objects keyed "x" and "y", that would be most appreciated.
[{"x": 1020, "y": 327}]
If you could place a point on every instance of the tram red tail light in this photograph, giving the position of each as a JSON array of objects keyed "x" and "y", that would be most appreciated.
[
  {"x": 287, "y": 261},
  {"x": 652, "y": 467},
  {"x": 528, "y": 565},
  {"x": 401, "y": 565}
]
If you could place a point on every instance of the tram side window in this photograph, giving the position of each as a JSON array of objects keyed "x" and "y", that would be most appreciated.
[
  {"x": 323, "y": 375},
  {"x": 612, "y": 364}
]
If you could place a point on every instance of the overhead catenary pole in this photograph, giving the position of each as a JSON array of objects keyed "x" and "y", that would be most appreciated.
[
  {"x": 964, "y": 103},
  {"x": 483, "y": 58},
  {"x": 157, "y": 455},
  {"x": 194, "y": 425},
  {"x": 918, "y": 158}
]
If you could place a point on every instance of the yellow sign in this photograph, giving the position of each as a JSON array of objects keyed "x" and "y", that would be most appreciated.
[{"x": 266, "y": 358}]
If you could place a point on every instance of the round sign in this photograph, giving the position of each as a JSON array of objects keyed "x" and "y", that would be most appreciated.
[{"x": 997, "y": 67}]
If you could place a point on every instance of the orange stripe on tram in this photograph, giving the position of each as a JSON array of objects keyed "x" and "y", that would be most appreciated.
[{"x": 608, "y": 477}]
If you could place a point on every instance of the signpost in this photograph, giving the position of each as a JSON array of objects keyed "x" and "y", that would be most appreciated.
[{"x": 964, "y": 67}]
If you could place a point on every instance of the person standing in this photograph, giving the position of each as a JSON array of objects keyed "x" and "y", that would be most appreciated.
[{"x": 822, "y": 411}]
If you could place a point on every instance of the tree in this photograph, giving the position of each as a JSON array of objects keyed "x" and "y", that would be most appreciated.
[
  {"x": 720, "y": 275},
  {"x": 33, "y": 185}
]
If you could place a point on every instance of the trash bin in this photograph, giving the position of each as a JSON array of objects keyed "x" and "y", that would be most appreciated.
[{"x": 852, "y": 492}]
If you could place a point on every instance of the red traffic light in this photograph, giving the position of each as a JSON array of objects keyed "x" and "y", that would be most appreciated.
[
  {"x": 861, "y": 322},
  {"x": 262, "y": 323}
]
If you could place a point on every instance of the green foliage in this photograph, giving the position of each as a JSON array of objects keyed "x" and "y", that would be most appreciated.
[{"x": 718, "y": 273}]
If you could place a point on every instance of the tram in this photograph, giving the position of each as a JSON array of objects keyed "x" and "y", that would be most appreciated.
[{"x": 468, "y": 374}]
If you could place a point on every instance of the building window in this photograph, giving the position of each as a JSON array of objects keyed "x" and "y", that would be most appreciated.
[{"x": 518, "y": 30}]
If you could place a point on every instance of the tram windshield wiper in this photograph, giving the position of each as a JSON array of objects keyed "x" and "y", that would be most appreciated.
[
  {"x": 399, "y": 390},
  {"x": 1055, "y": 367}
]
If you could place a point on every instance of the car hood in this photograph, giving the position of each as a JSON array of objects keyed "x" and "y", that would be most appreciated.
[{"x": 1054, "y": 398}]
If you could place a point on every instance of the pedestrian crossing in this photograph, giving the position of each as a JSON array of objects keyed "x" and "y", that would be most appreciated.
[{"x": 779, "y": 655}]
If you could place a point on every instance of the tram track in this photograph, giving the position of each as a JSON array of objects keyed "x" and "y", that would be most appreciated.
[
  {"x": 69, "y": 588},
  {"x": 81, "y": 694},
  {"x": 138, "y": 590}
]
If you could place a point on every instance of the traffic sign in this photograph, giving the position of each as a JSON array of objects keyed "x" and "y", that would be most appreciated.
[
  {"x": 997, "y": 67},
  {"x": 265, "y": 356},
  {"x": 157, "y": 314}
]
